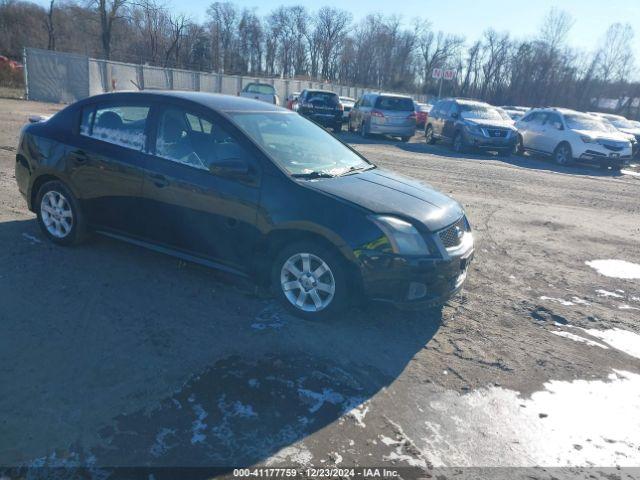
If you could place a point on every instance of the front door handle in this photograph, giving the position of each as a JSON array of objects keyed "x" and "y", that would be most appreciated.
[{"x": 158, "y": 180}]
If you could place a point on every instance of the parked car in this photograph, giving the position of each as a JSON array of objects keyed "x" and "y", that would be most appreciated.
[
  {"x": 246, "y": 187},
  {"x": 422, "y": 112},
  {"x": 292, "y": 101},
  {"x": 515, "y": 115},
  {"x": 632, "y": 129},
  {"x": 505, "y": 115},
  {"x": 385, "y": 114},
  {"x": 261, "y": 91},
  {"x": 567, "y": 135},
  {"x": 323, "y": 107},
  {"x": 469, "y": 124},
  {"x": 347, "y": 104}
]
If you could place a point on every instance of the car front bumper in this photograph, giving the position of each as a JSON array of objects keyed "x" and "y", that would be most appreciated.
[
  {"x": 490, "y": 143},
  {"x": 415, "y": 282},
  {"x": 595, "y": 153}
]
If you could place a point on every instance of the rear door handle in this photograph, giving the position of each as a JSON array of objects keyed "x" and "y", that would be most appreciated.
[
  {"x": 79, "y": 156},
  {"x": 158, "y": 180}
]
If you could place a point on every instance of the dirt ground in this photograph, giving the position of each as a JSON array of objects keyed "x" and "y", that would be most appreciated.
[{"x": 111, "y": 355}]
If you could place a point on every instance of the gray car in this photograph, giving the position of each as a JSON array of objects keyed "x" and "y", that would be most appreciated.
[{"x": 385, "y": 114}]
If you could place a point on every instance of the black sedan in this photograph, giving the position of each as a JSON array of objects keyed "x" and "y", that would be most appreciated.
[{"x": 247, "y": 187}]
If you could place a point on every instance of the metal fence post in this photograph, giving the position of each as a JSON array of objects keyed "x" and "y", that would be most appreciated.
[{"x": 26, "y": 75}]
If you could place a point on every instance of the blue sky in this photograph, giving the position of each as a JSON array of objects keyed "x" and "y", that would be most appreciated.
[{"x": 470, "y": 18}]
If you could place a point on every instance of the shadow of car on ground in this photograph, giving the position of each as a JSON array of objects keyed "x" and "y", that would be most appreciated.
[{"x": 125, "y": 357}]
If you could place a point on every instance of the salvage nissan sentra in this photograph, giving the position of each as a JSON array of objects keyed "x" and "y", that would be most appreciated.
[{"x": 246, "y": 187}]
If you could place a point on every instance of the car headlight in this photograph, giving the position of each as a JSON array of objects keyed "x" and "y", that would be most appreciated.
[
  {"x": 404, "y": 238},
  {"x": 588, "y": 139}
]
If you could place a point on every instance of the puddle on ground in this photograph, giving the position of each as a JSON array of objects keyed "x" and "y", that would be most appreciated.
[
  {"x": 578, "y": 423},
  {"x": 616, "y": 268}
]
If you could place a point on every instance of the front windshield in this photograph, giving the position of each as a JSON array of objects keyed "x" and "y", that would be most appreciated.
[
  {"x": 298, "y": 145},
  {"x": 585, "y": 122},
  {"x": 479, "y": 112}
]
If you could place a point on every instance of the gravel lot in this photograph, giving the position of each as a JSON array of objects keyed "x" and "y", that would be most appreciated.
[{"x": 114, "y": 355}]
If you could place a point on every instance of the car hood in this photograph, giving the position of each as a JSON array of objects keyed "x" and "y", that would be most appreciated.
[
  {"x": 613, "y": 136},
  {"x": 490, "y": 123},
  {"x": 631, "y": 131},
  {"x": 384, "y": 192}
]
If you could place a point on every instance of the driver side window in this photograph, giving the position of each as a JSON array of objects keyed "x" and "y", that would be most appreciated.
[{"x": 191, "y": 139}]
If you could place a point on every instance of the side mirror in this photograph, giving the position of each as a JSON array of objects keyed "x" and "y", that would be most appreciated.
[
  {"x": 455, "y": 115},
  {"x": 235, "y": 168}
]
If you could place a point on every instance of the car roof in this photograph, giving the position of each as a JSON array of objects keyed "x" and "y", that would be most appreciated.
[{"x": 214, "y": 101}]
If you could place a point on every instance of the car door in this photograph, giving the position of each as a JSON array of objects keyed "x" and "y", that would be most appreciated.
[
  {"x": 189, "y": 208},
  {"x": 108, "y": 163},
  {"x": 531, "y": 128},
  {"x": 449, "y": 119},
  {"x": 547, "y": 138}
]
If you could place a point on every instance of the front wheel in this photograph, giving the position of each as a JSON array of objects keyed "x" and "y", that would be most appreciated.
[
  {"x": 428, "y": 135},
  {"x": 59, "y": 214},
  {"x": 562, "y": 154},
  {"x": 310, "y": 280},
  {"x": 405, "y": 139},
  {"x": 458, "y": 143}
]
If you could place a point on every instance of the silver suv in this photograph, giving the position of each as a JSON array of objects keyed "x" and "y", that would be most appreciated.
[{"x": 384, "y": 113}]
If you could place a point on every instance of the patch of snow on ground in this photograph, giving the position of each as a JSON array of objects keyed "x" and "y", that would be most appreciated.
[
  {"x": 319, "y": 399},
  {"x": 160, "y": 446},
  {"x": 31, "y": 238},
  {"x": 357, "y": 411},
  {"x": 630, "y": 172},
  {"x": 559, "y": 300},
  {"x": 623, "y": 340},
  {"x": 580, "y": 301},
  {"x": 496, "y": 427},
  {"x": 295, "y": 454},
  {"x": 616, "y": 268},
  {"x": 627, "y": 307},
  {"x": 604, "y": 293},
  {"x": 198, "y": 426},
  {"x": 578, "y": 338}
]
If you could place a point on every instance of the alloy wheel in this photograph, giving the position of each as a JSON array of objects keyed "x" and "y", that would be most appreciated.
[
  {"x": 428, "y": 136},
  {"x": 307, "y": 282},
  {"x": 56, "y": 213},
  {"x": 457, "y": 143},
  {"x": 562, "y": 155}
]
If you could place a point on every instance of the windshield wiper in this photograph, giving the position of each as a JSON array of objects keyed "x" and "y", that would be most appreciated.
[
  {"x": 314, "y": 174},
  {"x": 351, "y": 170}
]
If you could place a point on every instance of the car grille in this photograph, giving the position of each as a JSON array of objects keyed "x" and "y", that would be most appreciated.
[
  {"x": 614, "y": 147},
  {"x": 496, "y": 132},
  {"x": 450, "y": 236}
]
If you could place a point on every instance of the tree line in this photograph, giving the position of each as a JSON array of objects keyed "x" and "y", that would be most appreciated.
[{"x": 381, "y": 52}]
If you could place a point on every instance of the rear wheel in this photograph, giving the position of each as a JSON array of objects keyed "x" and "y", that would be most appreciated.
[
  {"x": 428, "y": 135},
  {"x": 59, "y": 214},
  {"x": 562, "y": 155},
  {"x": 363, "y": 130},
  {"x": 520, "y": 146},
  {"x": 337, "y": 128},
  {"x": 310, "y": 280}
]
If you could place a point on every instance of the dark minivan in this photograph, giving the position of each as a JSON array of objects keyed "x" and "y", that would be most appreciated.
[
  {"x": 469, "y": 124},
  {"x": 323, "y": 107},
  {"x": 246, "y": 187}
]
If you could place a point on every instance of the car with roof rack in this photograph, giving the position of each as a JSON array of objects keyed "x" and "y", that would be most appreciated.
[{"x": 470, "y": 125}]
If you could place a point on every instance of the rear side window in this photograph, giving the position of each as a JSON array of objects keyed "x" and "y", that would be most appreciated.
[
  {"x": 260, "y": 88},
  {"x": 395, "y": 103},
  {"x": 122, "y": 125}
]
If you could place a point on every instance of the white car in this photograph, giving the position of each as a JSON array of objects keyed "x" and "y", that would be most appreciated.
[
  {"x": 347, "y": 103},
  {"x": 625, "y": 126},
  {"x": 261, "y": 91},
  {"x": 567, "y": 136}
]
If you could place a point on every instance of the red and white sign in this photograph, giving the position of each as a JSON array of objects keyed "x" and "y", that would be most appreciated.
[
  {"x": 449, "y": 74},
  {"x": 437, "y": 73}
]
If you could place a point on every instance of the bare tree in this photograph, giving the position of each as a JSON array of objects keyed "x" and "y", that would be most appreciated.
[
  {"x": 51, "y": 30},
  {"x": 616, "y": 53},
  {"x": 108, "y": 11}
]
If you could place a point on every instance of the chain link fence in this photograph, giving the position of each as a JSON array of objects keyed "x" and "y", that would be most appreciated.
[{"x": 64, "y": 78}]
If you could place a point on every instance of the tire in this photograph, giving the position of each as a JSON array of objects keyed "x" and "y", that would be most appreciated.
[
  {"x": 363, "y": 130},
  {"x": 405, "y": 139},
  {"x": 59, "y": 214},
  {"x": 562, "y": 155},
  {"x": 520, "y": 146},
  {"x": 457, "y": 144},
  {"x": 505, "y": 153},
  {"x": 349, "y": 127},
  {"x": 428, "y": 135},
  {"x": 337, "y": 129},
  {"x": 296, "y": 283}
]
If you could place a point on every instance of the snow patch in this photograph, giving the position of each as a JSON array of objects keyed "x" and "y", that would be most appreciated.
[
  {"x": 578, "y": 338},
  {"x": 319, "y": 399},
  {"x": 616, "y": 268},
  {"x": 604, "y": 293},
  {"x": 358, "y": 412},
  {"x": 198, "y": 426},
  {"x": 558, "y": 300},
  {"x": 31, "y": 238},
  {"x": 623, "y": 340},
  {"x": 160, "y": 446},
  {"x": 295, "y": 454},
  {"x": 627, "y": 307}
]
